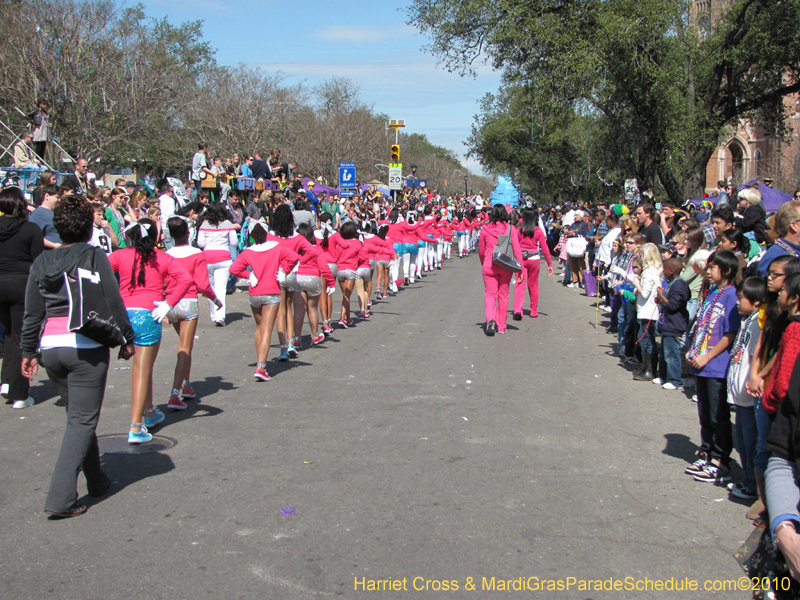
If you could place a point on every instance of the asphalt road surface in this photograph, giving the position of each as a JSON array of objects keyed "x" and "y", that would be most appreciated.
[{"x": 410, "y": 447}]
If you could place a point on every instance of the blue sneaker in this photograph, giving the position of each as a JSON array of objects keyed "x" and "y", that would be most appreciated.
[
  {"x": 141, "y": 437},
  {"x": 283, "y": 356},
  {"x": 157, "y": 417},
  {"x": 291, "y": 351}
]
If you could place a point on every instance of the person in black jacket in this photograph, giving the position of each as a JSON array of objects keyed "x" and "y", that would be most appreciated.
[
  {"x": 673, "y": 302},
  {"x": 20, "y": 243},
  {"x": 754, "y": 215},
  {"x": 76, "y": 365}
]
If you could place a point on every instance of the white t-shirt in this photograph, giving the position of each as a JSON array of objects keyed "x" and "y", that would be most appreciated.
[
  {"x": 604, "y": 252},
  {"x": 739, "y": 369},
  {"x": 101, "y": 239}
]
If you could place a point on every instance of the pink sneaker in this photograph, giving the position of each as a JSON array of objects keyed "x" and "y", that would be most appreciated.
[
  {"x": 317, "y": 339},
  {"x": 176, "y": 403},
  {"x": 188, "y": 392},
  {"x": 262, "y": 375}
]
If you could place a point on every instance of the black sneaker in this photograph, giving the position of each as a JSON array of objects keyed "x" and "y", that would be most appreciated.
[
  {"x": 714, "y": 474},
  {"x": 738, "y": 490},
  {"x": 699, "y": 465},
  {"x": 491, "y": 328},
  {"x": 518, "y": 316}
]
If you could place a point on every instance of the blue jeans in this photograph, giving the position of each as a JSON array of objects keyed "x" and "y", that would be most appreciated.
[
  {"x": 764, "y": 426},
  {"x": 692, "y": 306},
  {"x": 746, "y": 438},
  {"x": 715, "y": 418},
  {"x": 231, "y": 287},
  {"x": 669, "y": 361},
  {"x": 622, "y": 322},
  {"x": 647, "y": 336}
]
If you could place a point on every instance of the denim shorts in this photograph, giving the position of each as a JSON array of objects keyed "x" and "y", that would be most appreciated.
[
  {"x": 310, "y": 284},
  {"x": 185, "y": 310},
  {"x": 146, "y": 330},
  {"x": 347, "y": 274},
  {"x": 265, "y": 300}
]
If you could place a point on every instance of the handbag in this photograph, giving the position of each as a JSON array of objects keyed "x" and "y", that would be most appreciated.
[
  {"x": 590, "y": 283},
  {"x": 89, "y": 311},
  {"x": 528, "y": 254},
  {"x": 576, "y": 246},
  {"x": 503, "y": 253}
]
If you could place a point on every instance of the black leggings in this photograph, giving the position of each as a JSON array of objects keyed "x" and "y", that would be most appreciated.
[{"x": 12, "y": 309}]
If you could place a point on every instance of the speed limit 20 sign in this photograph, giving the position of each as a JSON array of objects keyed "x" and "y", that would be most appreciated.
[{"x": 396, "y": 176}]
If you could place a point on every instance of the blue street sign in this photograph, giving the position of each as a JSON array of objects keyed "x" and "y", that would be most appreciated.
[
  {"x": 347, "y": 175},
  {"x": 416, "y": 184},
  {"x": 347, "y": 193}
]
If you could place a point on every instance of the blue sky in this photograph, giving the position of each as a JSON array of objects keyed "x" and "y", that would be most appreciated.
[{"x": 367, "y": 42}]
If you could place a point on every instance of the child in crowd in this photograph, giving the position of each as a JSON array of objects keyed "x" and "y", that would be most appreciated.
[
  {"x": 650, "y": 270},
  {"x": 708, "y": 356},
  {"x": 752, "y": 294},
  {"x": 675, "y": 322},
  {"x": 102, "y": 234},
  {"x": 789, "y": 348}
]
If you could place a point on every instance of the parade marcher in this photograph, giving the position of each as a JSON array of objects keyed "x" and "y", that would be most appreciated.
[
  {"x": 533, "y": 245},
  {"x": 497, "y": 279}
]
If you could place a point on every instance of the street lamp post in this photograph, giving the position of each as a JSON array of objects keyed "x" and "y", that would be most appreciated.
[
  {"x": 413, "y": 178},
  {"x": 466, "y": 189}
]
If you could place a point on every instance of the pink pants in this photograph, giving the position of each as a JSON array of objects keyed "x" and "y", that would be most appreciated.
[
  {"x": 496, "y": 281},
  {"x": 530, "y": 270}
]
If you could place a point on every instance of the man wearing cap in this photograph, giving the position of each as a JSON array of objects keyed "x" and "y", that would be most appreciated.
[
  {"x": 313, "y": 201},
  {"x": 24, "y": 158}
]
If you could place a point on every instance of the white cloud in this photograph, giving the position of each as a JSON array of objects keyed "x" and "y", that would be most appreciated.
[{"x": 364, "y": 34}]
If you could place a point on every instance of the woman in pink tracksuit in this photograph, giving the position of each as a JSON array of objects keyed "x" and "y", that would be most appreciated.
[
  {"x": 534, "y": 244},
  {"x": 497, "y": 279}
]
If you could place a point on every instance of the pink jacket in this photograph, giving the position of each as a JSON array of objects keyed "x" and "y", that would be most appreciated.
[
  {"x": 537, "y": 243},
  {"x": 315, "y": 263},
  {"x": 162, "y": 268},
  {"x": 347, "y": 256},
  {"x": 488, "y": 241},
  {"x": 194, "y": 261},
  {"x": 265, "y": 260}
]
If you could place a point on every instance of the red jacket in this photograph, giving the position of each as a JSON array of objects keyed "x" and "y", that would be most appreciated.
[{"x": 265, "y": 260}]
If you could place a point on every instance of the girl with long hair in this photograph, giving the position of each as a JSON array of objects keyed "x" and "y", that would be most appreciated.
[
  {"x": 326, "y": 236},
  {"x": 735, "y": 241},
  {"x": 533, "y": 245},
  {"x": 215, "y": 237},
  {"x": 20, "y": 243},
  {"x": 383, "y": 258},
  {"x": 143, "y": 270},
  {"x": 311, "y": 274},
  {"x": 650, "y": 273},
  {"x": 183, "y": 316},
  {"x": 411, "y": 245},
  {"x": 292, "y": 301},
  {"x": 497, "y": 279},
  {"x": 348, "y": 257},
  {"x": 269, "y": 261}
]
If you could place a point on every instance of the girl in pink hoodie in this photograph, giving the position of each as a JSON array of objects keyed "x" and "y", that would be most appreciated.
[
  {"x": 534, "y": 245},
  {"x": 270, "y": 261},
  {"x": 497, "y": 279}
]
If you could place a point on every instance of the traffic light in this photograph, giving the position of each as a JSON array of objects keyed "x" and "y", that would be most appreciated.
[{"x": 395, "y": 151}]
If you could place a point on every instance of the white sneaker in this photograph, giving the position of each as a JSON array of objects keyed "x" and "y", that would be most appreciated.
[
  {"x": 4, "y": 389},
  {"x": 572, "y": 285},
  {"x": 23, "y": 403},
  {"x": 605, "y": 308},
  {"x": 694, "y": 398},
  {"x": 658, "y": 381},
  {"x": 670, "y": 386}
]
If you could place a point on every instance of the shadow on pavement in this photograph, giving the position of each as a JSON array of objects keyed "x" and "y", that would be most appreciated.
[
  {"x": 125, "y": 470},
  {"x": 680, "y": 446}
]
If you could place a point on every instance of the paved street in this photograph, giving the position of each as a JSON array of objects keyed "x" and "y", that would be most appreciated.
[{"x": 409, "y": 446}]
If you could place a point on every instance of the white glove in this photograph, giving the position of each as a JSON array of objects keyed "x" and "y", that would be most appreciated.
[
  {"x": 281, "y": 276},
  {"x": 616, "y": 270},
  {"x": 253, "y": 280},
  {"x": 160, "y": 311},
  {"x": 330, "y": 290}
]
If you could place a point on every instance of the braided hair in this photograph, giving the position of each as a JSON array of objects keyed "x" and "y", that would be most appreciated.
[
  {"x": 145, "y": 248},
  {"x": 324, "y": 219}
]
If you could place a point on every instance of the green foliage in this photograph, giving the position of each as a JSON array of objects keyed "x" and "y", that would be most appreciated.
[{"x": 662, "y": 90}]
